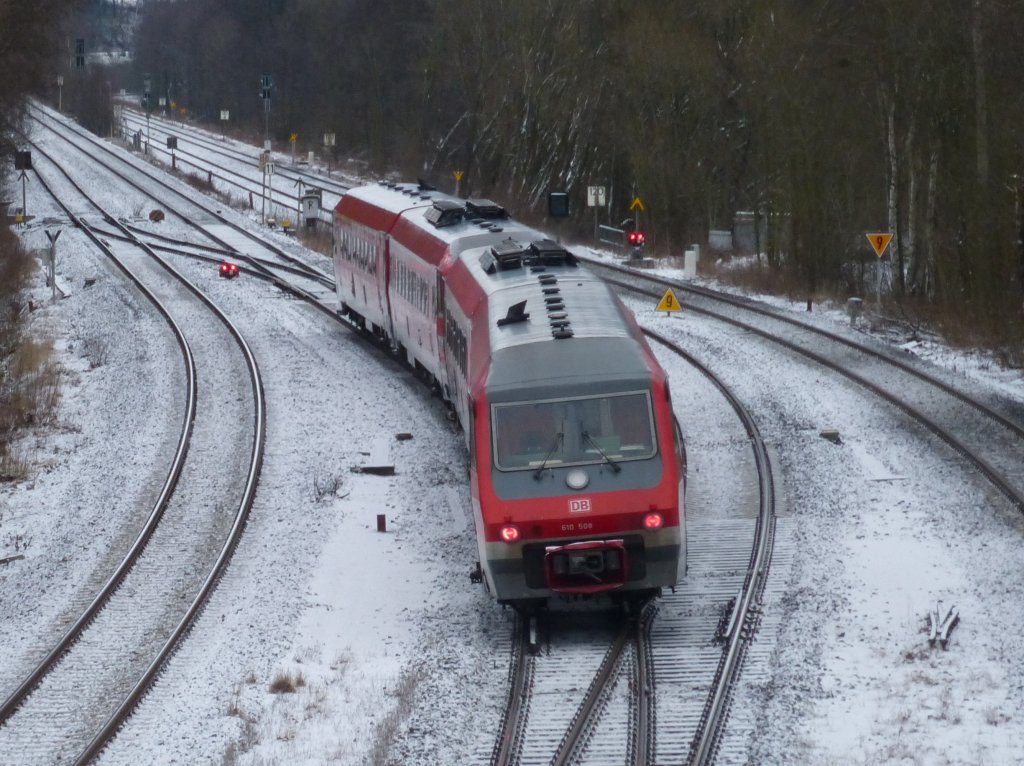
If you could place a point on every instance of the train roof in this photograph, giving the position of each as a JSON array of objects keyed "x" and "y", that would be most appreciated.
[
  {"x": 551, "y": 322},
  {"x": 412, "y": 210}
]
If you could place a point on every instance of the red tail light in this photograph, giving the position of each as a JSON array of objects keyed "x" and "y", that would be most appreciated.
[
  {"x": 510, "y": 533},
  {"x": 653, "y": 521}
]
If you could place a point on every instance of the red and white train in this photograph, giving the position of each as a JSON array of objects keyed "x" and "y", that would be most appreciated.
[{"x": 577, "y": 464}]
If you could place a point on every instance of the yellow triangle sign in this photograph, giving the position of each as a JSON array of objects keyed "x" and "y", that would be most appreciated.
[
  {"x": 669, "y": 302},
  {"x": 637, "y": 203},
  {"x": 880, "y": 241}
]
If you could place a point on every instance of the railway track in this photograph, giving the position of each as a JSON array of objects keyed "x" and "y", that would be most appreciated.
[
  {"x": 239, "y": 168},
  {"x": 657, "y": 687},
  {"x": 228, "y": 149},
  {"x": 626, "y": 667},
  {"x": 117, "y": 236},
  {"x": 682, "y": 655},
  {"x": 988, "y": 434},
  {"x": 77, "y": 696},
  {"x": 207, "y": 220}
]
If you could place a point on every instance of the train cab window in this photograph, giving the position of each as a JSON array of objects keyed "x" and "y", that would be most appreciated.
[
  {"x": 593, "y": 429},
  {"x": 621, "y": 424},
  {"x": 526, "y": 433}
]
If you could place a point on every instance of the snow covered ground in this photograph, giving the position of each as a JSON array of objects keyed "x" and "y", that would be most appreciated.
[{"x": 392, "y": 655}]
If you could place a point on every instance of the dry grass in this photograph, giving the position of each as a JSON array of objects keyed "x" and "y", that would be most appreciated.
[
  {"x": 326, "y": 484},
  {"x": 387, "y": 729},
  {"x": 96, "y": 350},
  {"x": 29, "y": 396},
  {"x": 320, "y": 239},
  {"x": 756, "y": 276},
  {"x": 998, "y": 331},
  {"x": 286, "y": 683},
  {"x": 989, "y": 328},
  {"x": 203, "y": 184},
  {"x": 248, "y": 739},
  {"x": 18, "y": 542},
  {"x": 206, "y": 185},
  {"x": 29, "y": 378}
]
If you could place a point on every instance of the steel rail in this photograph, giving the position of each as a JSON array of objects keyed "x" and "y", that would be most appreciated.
[
  {"x": 508, "y": 744},
  {"x": 598, "y": 686},
  {"x": 204, "y": 164},
  {"x": 714, "y": 714},
  {"x": 273, "y": 196},
  {"x": 190, "y": 200},
  {"x": 127, "y": 705},
  {"x": 231, "y": 152},
  {"x": 217, "y": 255},
  {"x": 752, "y": 307},
  {"x": 716, "y": 708},
  {"x": 14, "y": 700},
  {"x": 995, "y": 478},
  {"x": 642, "y": 746}
]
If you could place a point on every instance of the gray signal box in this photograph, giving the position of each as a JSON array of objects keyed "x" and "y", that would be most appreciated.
[{"x": 311, "y": 200}]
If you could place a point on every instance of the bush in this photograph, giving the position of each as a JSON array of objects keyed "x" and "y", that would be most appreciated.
[{"x": 286, "y": 683}]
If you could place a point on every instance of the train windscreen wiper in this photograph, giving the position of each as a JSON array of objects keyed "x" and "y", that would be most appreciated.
[
  {"x": 590, "y": 440},
  {"x": 544, "y": 463}
]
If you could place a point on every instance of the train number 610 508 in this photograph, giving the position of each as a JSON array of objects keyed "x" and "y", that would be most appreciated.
[{"x": 581, "y": 526}]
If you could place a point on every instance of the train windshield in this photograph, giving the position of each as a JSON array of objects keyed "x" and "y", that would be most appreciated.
[{"x": 557, "y": 432}]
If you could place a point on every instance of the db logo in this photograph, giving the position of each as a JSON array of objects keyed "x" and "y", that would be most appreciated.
[{"x": 579, "y": 506}]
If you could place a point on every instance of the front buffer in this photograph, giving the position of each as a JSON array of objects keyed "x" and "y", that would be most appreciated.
[{"x": 632, "y": 554}]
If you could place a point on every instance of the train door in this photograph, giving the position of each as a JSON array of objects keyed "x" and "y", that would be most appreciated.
[
  {"x": 441, "y": 351},
  {"x": 384, "y": 283}
]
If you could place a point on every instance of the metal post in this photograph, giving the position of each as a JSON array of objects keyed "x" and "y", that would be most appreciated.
[
  {"x": 878, "y": 289},
  {"x": 147, "y": 101},
  {"x": 52, "y": 236},
  {"x": 60, "y": 93},
  {"x": 329, "y": 142},
  {"x": 24, "y": 208}
]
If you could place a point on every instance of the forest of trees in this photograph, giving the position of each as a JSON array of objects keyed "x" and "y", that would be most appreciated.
[
  {"x": 826, "y": 118},
  {"x": 32, "y": 36}
]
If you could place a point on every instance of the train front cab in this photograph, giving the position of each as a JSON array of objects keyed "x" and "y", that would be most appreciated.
[{"x": 579, "y": 495}]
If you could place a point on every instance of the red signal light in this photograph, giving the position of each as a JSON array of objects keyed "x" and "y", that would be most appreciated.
[
  {"x": 653, "y": 521},
  {"x": 509, "y": 533},
  {"x": 637, "y": 238}
]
